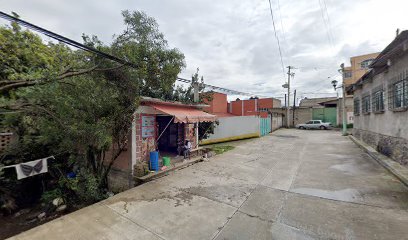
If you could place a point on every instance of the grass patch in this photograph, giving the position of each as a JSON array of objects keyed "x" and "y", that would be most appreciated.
[{"x": 222, "y": 149}]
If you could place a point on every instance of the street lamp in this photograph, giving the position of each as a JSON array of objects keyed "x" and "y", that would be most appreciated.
[{"x": 343, "y": 87}]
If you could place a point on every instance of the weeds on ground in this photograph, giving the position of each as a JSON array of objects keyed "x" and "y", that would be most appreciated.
[{"x": 222, "y": 149}]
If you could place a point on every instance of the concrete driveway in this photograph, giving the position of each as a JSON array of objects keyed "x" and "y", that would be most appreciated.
[{"x": 292, "y": 184}]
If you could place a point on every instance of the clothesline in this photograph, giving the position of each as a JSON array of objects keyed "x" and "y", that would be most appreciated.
[{"x": 14, "y": 165}]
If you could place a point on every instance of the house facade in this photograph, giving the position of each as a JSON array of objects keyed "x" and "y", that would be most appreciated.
[
  {"x": 253, "y": 106},
  {"x": 157, "y": 126},
  {"x": 242, "y": 119},
  {"x": 359, "y": 65},
  {"x": 381, "y": 102}
]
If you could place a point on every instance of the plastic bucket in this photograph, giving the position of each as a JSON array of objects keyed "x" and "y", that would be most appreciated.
[
  {"x": 154, "y": 161},
  {"x": 166, "y": 161}
]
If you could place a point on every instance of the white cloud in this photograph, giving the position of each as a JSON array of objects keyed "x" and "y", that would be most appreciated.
[{"x": 233, "y": 41}]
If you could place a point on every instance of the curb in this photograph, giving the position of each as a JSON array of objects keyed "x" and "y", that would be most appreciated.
[
  {"x": 392, "y": 166},
  {"x": 160, "y": 174}
]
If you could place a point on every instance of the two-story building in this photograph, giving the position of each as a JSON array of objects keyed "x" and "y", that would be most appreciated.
[{"x": 381, "y": 101}]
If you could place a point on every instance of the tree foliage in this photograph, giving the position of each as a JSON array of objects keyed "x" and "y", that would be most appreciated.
[{"x": 77, "y": 106}]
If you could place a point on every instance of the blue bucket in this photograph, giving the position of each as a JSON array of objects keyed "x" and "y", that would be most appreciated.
[{"x": 154, "y": 161}]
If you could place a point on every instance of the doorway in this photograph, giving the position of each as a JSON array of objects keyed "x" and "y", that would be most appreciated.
[{"x": 172, "y": 135}]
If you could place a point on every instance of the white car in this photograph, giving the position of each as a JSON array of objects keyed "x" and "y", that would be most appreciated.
[{"x": 315, "y": 124}]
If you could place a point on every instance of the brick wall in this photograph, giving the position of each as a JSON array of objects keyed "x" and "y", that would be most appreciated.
[
  {"x": 190, "y": 134},
  {"x": 219, "y": 103},
  {"x": 143, "y": 145}
]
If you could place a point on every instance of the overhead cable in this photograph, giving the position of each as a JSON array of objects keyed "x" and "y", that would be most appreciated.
[
  {"x": 277, "y": 38},
  {"x": 97, "y": 52}
]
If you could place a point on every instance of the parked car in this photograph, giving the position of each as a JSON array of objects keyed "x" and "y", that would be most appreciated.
[{"x": 315, "y": 124}]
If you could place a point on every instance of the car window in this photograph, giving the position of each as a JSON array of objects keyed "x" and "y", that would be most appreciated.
[
  {"x": 316, "y": 122},
  {"x": 310, "y": 122}
]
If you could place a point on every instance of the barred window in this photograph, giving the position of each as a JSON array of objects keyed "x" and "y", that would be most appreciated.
[
  {"x": 356, "y": 106},
  {"x": 366, "y": 107},
  {"x": 398, "y": 92},
  {"x": 378, "y": 99}
]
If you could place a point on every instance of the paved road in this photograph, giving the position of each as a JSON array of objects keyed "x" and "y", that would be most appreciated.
[{"x": 291, "y": 185}]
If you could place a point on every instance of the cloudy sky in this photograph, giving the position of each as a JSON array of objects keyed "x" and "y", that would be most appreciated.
[{"x": 232, "y": 41}]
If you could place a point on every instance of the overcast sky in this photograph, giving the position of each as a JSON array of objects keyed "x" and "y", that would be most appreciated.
[{"x": 232, "y": 41}]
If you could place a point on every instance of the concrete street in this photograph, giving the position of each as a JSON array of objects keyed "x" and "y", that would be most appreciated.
[{"x": 293, "y": 184}]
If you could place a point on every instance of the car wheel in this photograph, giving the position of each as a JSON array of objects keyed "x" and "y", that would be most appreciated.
[
  {"x": 301, "y": 127},
  {"x": 322, "y": 127}
]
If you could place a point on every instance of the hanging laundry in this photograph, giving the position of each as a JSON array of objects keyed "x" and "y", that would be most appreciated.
[{"x": 32, "y": 168}]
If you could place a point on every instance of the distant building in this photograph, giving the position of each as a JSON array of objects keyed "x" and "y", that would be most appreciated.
[
  {"x": 242, "y": 119},
  {"x": 324, "y": 109},
  {"x": 253, "y": 106},
  {"x": 316, "y": 102},
  {"x": 381, "y": 101},
  {"x": 359, "y": 66},
  {"x": 218, "y": 104}
]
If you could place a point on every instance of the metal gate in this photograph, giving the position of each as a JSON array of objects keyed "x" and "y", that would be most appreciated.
[
  {"x": 265, "y": 126},
  {"x": 325, "y": 114}
]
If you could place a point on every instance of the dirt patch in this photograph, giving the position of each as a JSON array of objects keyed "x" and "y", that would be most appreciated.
[{"x": 12, "y": 225}]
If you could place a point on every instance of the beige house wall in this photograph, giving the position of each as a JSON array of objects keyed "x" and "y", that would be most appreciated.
[{"x": 356, "y": 70}]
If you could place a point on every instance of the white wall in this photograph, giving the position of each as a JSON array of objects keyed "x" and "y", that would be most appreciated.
[
  {"x": 276, "y": 121},
  {"x": 232, "y": 128}
]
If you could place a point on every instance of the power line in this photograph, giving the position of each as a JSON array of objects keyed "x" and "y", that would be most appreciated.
[
  {"x": 97, "y": 52},
  {"x": 226, "y": 90},
  {"x": 283, "y": 30},
  {"x": 326, "y": 25},
  {"x": 66, "y": 40},
  {"x": 277, "y": 38},
  {"x": 328, "y": 19}
]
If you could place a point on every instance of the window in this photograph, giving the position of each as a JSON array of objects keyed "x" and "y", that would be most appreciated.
[
  {"x": 348, "y": 74},
  {"x": 378, "y": 99},
  {"x": 310, "y": 122},
  {"x": 364, "y": 64},
  {"x": 398, "y": 92},
  {"x": 366, "y": 108},
  {"x": 356, "y": 106}
]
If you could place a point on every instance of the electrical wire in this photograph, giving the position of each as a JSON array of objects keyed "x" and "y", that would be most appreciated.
[
  {"x": 100, "y": 53},
  {"x": 326, "y": 25},
  {"x": 283, "y": 31},
  {"x": 328, "y": 19},
  {"x": 277, "y": 39},
  {"x": 66, "y": 40}
]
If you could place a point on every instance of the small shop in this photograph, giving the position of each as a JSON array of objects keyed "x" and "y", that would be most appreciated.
[{"x": 164, "y": 127}]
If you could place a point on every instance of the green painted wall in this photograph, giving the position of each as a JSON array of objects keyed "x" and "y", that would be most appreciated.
[{"x": 326, "y": 115}]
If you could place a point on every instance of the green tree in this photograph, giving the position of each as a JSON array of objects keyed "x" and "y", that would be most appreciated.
[
  {"x": 79, "y": 106},
  {"x": 144, "y": 44}
]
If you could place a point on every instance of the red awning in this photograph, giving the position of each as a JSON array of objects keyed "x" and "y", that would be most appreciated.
[{"x": 184, "y": 114}]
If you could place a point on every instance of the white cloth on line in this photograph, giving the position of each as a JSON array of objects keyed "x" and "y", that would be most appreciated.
[{"x": 32, "y": 168}]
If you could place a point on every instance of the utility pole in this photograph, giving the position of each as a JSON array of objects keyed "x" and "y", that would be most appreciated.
[
  {"x": 343, "y": 88},
  {"x": 196, "y": 100},
  {"x": 344, "y": 102},
  {"x": 288, "y": 105},
  {"x": 196, "y": 92},
  {"x": 294, "y": 106}
]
